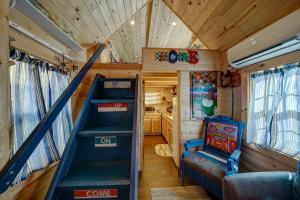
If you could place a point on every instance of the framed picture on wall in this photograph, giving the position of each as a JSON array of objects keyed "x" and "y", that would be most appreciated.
[{"x": 204, "y": 94}]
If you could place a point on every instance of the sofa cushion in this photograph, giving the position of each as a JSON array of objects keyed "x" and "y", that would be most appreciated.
[
  {"x": 212, "y": 169},
  {"x": 296, "y": 184}
]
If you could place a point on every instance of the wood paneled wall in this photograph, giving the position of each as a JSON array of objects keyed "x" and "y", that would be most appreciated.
[
  {"x": 254, "y": 158},
  {"x": 33, "y": 188},
  {"x": 4, "y": 85},
  {"x": 36, "y": 186}
]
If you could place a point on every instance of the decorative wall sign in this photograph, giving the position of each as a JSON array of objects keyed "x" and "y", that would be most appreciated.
[
  {"x": 117, "y": 84},
  {"x": 191, "y": 57},
  {"x": 203, "y": 94},
  {"x": 106, "y": 141},
  {"x": 95, "y": 193},
  {"x": 112, "y": 107}
]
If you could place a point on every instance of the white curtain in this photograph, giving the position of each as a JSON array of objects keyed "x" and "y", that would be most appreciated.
[
  {"x": 26, "y": 115},
  {"x": 274, "y": 111},
  {"x": 34, "y": 89}
]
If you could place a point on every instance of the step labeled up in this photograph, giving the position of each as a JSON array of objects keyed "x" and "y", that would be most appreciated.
[{"x": 112, "y": 107}]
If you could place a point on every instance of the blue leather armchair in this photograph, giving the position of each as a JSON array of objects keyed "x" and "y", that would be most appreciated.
[
  {"x": 219, "y": 154},
  {"x": 262, "y": 185}
]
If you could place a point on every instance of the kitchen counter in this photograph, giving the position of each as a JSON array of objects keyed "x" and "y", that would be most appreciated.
[
  {"x": 169, "y": 116},
  {"x": 149, "y": 113}
]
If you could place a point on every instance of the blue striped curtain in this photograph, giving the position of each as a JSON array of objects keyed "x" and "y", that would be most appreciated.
[
  {"x": 31, "y": 97},
  {"x": 274, "y": 111}
]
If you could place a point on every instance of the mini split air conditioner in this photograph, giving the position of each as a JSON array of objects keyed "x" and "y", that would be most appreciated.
[{"x": 277, "y": 50}]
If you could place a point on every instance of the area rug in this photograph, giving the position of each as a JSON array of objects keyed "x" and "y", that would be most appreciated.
[
  {"x": 163, "y": 150},
  {"x": 179, "y": 193}
]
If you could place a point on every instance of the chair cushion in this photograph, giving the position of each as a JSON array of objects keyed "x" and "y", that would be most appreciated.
[
  {"x": 208, "y": 167},
  {"x": 222, "y": 137}
]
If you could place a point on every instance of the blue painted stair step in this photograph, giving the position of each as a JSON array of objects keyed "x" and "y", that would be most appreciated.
[{"x": 99, "y": 161}]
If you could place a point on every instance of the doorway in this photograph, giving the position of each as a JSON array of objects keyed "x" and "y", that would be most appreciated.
[{"x": 161, "y": 135}]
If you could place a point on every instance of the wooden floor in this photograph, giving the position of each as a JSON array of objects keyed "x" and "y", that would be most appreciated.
[{"x": 157, "y": 171}]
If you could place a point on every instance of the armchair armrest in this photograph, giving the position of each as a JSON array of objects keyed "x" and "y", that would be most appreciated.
[
  {"x": 258, "y": 185},
  {"x": 191, "y": 144},
  {"x": 233, "y": 162}
]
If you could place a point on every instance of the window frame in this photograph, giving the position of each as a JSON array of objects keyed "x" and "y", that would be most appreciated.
[{"x": 245, "y": 101}]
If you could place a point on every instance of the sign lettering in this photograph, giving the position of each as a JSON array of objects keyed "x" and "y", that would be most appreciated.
[
  {"x": 117, "y": 84},
  {"x": 106, "y": 141},
  {"x": 95, "y": 193},
  {"x": 191, "y": 57},
  {"x": 112, "y": 107}
]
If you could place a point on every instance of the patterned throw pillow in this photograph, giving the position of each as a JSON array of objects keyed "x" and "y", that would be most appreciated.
[{"x": 222, "y": 137}]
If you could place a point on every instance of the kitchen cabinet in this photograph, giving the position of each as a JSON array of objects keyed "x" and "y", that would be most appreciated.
[
  {"x": 167, "y": 129},
  {"x": 147, "y": 125},
  {"x": 156, "y": 125},
  {"x": 164, "y": 126},
  {"x": 152, "y": 123}
]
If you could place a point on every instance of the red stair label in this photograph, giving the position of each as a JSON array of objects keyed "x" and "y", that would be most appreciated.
[
  {"x": 112, "y": 107},
  {"x": 95, "y": 193}
]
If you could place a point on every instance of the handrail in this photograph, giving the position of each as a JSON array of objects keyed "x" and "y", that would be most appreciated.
[
  {"x": 134, "y": 147},
  {"x": 15, "y": 164}
]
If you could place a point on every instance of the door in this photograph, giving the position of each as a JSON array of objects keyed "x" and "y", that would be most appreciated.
[
  {"x": 156, "y": 125},
  {"x": 147, "y": 125}
]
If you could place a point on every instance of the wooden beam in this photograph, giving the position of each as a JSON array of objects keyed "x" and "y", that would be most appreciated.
[
  {"x": 117, "y": 66},
  {"x": 4, "y": 84},
  {"x": 149, "y": 14}
]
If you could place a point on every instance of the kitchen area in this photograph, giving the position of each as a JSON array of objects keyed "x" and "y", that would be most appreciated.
[{"x": 161, "y": 109}]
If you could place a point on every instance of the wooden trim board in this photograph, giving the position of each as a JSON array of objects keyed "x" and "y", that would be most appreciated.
[{"x": 209, "y": 61}]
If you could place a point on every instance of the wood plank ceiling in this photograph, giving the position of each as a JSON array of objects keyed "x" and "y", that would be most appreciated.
[
  {"x": 221, "y": 24},
  {"x": 93, "y": 21},
  {"x": 166, "y": 29},
  {"x": 215, "y": 24}
]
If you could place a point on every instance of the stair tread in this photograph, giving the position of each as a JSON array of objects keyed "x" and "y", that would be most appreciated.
[
  {"x": 99, "y": 173},
  {"x": 125, "y": 100},
  {"x": 121, "y": 128}
]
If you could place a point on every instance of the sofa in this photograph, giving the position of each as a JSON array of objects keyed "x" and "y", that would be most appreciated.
[{"x": 262, "y": 186}]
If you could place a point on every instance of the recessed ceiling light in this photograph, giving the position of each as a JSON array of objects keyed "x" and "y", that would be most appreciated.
[
  {"x": 132, "y": 22},
  {"x": 174, "y": 23}
]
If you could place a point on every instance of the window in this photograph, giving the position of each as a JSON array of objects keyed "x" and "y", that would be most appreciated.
[
  {"x": 274, "y": 111},
  {"x": 34, "y": 89},
  {"x": 152, "y": 98}
]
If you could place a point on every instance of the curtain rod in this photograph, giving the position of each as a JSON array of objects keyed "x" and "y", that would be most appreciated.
[
  {"x": 50, "y": 64},
  {"x": 37, "y": 39}
]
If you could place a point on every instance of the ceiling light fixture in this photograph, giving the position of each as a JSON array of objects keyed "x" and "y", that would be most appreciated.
[
  {"x": 132, "y": 22},
  {"x": 174, "y": 23}
]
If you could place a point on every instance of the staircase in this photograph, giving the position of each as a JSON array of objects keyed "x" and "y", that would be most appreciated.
[{"x": 100, "y": 159}]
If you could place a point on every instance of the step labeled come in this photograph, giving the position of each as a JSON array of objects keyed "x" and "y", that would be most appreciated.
[{"x": 95, "y": 193}]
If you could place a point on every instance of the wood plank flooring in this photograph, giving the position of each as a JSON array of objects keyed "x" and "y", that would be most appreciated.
[{"x": 157, "y": 171}]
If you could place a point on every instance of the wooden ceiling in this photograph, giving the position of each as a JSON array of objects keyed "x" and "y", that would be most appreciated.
[
  {"x": 220, "y": 24},
  {"x": 212, "y": 24},
  {"x": 166, "y": 29},
  {"x": 93, "y": 21},
  {"x": 159, "y": 79}
]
